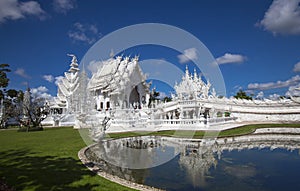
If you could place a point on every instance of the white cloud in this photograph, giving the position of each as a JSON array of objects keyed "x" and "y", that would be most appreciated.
[
  {"x": 63, "y": 6},
  {"x": 13, "y": 10},
  {"x": 231, "y": 58},
  {"x": 274, "y": 85},
  {"x": 162, "y": 95},
  {"x": 58, "y": 79},
  {"x": 297, "y": 67},
  {"x": 41, "y": 89},
  {"x": 48, "y": 78},
  {"x": 282, "y": 17},
  {"x": 40, "y": 92},
  {"x": 84, "y": 33},
  {"x": 21, "y": 72},
  {"x": 94, "y": 66},
  {"x": 188, "y": 55},
  {"x": 93, "y": 29}
]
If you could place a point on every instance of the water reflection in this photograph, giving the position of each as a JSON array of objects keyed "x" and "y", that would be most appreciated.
[{"x": 196, "y": 163}]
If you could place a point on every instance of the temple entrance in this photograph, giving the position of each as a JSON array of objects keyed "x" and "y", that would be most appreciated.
[{"x": 134, "y": 98}]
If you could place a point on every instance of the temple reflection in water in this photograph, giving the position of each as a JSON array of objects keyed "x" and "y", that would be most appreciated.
[{"x": 136, "y": 158}]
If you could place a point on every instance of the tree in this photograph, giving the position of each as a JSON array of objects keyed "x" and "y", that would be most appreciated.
[
  {"x": 153, "y": 96},
  {"x": 242, "y": 95},
  {"x": 12, "y": 93},
  {"x": 167, "y": 99},
  {"x": 28, "y": 111},
  {"x": 3, "y": 84},
  {"x": 3, "y": 76},
  {"x": 12, "y": 105},
  {"x": 36, "y": 112}
]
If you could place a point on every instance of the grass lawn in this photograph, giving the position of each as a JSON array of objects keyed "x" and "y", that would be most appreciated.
[
  {"x": 243, "y": 130},
  {"x": 47, "y": 160}
]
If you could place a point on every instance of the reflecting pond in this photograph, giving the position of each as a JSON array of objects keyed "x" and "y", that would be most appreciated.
[{"x": 255, "y": 162}]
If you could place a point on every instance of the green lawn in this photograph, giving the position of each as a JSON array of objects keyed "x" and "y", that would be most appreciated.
[
  {"x": 47, "y": 160},
  {"x": 243, "y": 130}
]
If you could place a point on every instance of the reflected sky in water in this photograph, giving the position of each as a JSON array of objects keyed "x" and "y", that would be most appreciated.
[{"x": 244, "y": 163}]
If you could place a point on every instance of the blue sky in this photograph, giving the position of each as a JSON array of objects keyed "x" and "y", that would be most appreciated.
[{"x": 256, "y": 43}]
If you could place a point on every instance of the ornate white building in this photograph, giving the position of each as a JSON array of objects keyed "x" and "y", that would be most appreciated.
[
  {"x": 120, "y": 83},
  {"x": 118, "y": 91},
  {"x": 192, "y": 87},
  {"x": 71, "y": 96},
  {"x": 67, "y": 87}
]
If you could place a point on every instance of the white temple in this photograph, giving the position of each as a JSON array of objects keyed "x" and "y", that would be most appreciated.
[
  {"x": 120, "y": 84},
  {"x": 68, "y": 86},
  {"x": 118, "y": 93}
]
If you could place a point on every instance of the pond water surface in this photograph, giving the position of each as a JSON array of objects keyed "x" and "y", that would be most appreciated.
[{"x": 260, "y": 162}]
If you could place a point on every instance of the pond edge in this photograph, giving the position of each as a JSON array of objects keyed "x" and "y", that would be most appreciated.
[{"x": 90, "y": 165}]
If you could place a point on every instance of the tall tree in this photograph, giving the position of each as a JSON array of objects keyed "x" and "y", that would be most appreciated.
[
  {"x": 3, "y": 78},
  {"x": 3, "y": 84},
  {"x": 242, "y": 95}
]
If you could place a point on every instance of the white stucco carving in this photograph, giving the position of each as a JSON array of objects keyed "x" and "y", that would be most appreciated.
[{"x": 119, "y": 91}]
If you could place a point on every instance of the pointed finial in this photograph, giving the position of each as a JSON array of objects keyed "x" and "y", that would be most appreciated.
[
  {"x": 186, "y": 71},
  {"x": 27, "y": 86},
  {"x": 195, "y": 74},
  {"x": 136, "y": 58}
]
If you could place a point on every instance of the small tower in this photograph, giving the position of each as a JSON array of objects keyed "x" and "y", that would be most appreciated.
[
  {"x": 187, "y": 75},
  {"x": 195, "y": 75}
]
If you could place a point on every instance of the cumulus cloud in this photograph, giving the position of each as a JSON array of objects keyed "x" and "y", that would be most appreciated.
[
  {"x": 282, "y": 17},
  {"x": 40, "y": 92},
  {"x": 63, "y": 6},
  {"x": 13, "y": 10},
  {"x": 85, "y": 33},
  {"x": 94, "y": 66},
  {"x": 274, "y": 85},
  {"x": 58, "y": 79},
  {"x": 48, "y": 78},
  {"x": 188, "y": 55},
  {"x": 21, "y": 72},
  {"x": 162, "y": 95},
  {"x": 297, "y": 67},
  {"x": 231, "y": 58}
]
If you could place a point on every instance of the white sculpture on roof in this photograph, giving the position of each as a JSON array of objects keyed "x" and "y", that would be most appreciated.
[{"x": 192, "y": 86}]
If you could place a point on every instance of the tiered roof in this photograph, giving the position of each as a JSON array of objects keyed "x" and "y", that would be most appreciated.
[
  {"x": 69, "y": 84},
  {"x": 114, "y": 74}
]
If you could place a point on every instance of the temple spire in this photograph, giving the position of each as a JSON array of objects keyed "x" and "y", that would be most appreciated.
[
  {"x": 186, "y": 72},
  {"x": 195, "y": 74},
  {"x": 74, "y": 65}
]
